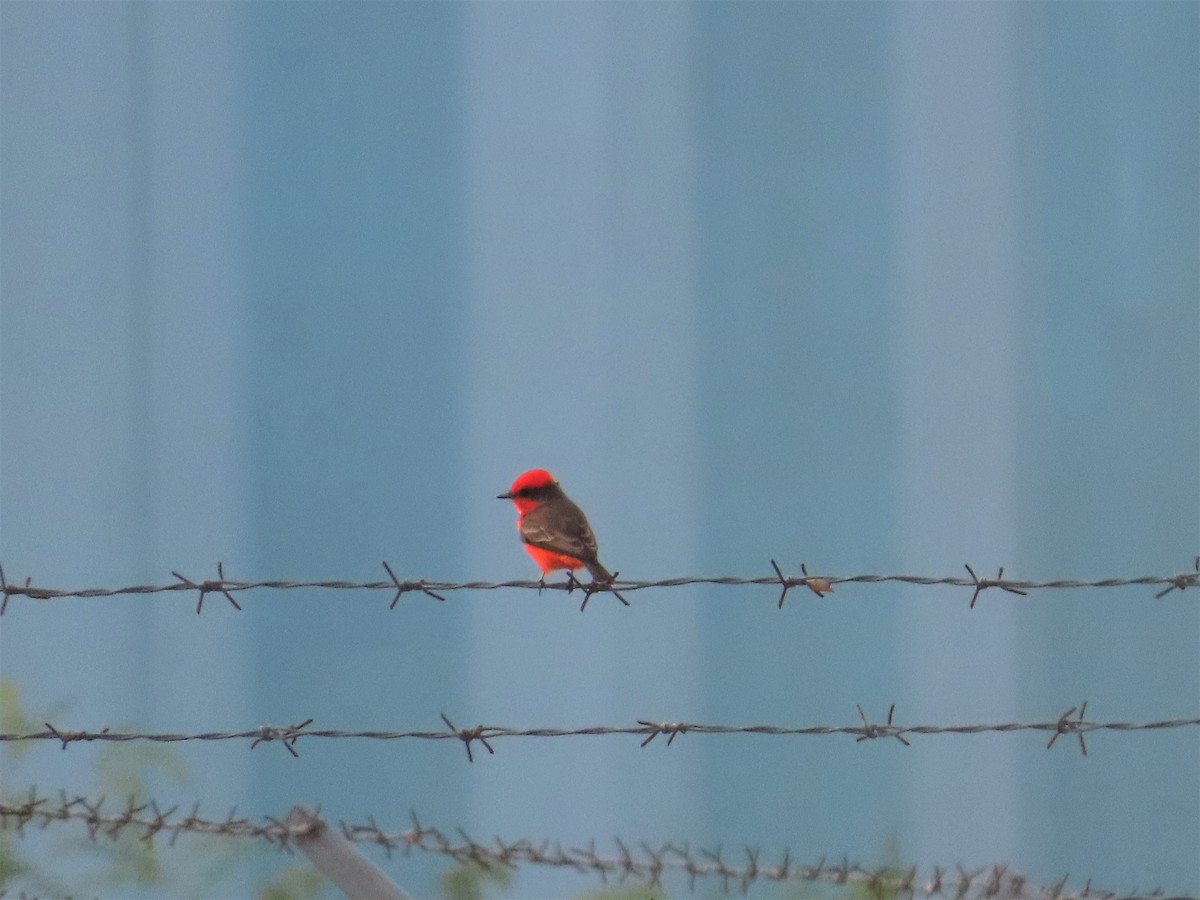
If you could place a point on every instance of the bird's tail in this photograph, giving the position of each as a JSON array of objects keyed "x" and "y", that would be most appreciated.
[{"x": 599, "y": 573}]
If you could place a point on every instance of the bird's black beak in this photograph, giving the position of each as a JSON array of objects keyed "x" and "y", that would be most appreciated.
[{"x": 507, "y": 496}]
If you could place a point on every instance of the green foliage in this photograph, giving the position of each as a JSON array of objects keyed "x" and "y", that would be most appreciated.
[
  {"x": 10, "y": 865},
  {"x": 123, "y": 769},
  {"x": 890, "y": 873},
  {"x": 122, "y": 772},
  {"x": 296, "y": 883},
  {"x": 13, "y": 719},
  {"x": 800, "y": 890},
  {"x": 467, "y": 882},
  {"x": 632, "y": 892},
  {"x": 122, "y": 859}
]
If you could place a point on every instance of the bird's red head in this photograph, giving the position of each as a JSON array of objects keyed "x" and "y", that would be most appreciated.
[
  {"x": 534, "y": 478},
  {"x": 526, "y": 482}
]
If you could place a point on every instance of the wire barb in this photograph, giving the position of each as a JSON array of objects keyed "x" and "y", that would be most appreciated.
[
  {"x": 870, "y": 732},
  {"x": 28, "y": 590},
  {"x": 287, "y": 736},
  {"x": 1056, "y": 890},
  {"x": 671, "y": 729},
  {"x": 783, "y": 581},
  {"x": 466, "y": 735},
  {"x": 1066, "y": 726},
  {"x": 69, "y": 736},
  {"x": 208, "y": 587},
  {"x": 819, "y": 586},
  {"x": 593, "y": 588},
  {"x": 965, "y": 879},
  {"x": 54, "y": 731},
  {"x": 982, "y": 584},
  {"x": 1181, "y": 582},
  {"x": 401, "y": 587}
]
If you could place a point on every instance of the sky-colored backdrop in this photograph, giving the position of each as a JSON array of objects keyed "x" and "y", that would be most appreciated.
[{"x": 878, "y": 288}]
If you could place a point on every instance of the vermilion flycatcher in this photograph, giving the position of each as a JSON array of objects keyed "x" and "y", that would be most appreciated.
[{"x": 555, "y": 531}]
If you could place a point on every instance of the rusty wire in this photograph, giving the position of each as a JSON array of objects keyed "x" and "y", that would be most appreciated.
[
  {"x": 818, "y": 584},
  {"x": 1070, "y": 722},
  {"x": 626, "y": 861}
]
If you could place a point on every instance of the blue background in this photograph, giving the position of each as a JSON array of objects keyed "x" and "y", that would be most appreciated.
[{"x": 877, "y": 288}]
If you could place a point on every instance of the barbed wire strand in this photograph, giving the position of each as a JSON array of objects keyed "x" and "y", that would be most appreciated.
[
  {"x": 1071, "y": 722},
  {"x": 628, "y": 861},
  {"x": 818, "y": 584}
]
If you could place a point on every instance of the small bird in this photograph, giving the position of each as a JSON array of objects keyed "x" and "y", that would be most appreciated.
[{"x": 555, "y": 531}]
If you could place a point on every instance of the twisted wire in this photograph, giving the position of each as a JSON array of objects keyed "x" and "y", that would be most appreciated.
[
  {"x": 1071, "y": 722},
  {"x": 818, "y": 584},
  {"x": 625, "y": 861}
]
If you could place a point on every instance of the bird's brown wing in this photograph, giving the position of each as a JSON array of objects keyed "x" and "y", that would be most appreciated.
[{"x": 560, "y": 527}]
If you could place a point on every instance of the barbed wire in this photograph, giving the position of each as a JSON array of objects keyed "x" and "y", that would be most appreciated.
[
  {"x": 818, "y": 584},
  {"x": 626, "y": 861},
  {"x": 1071, "y": 722}
]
